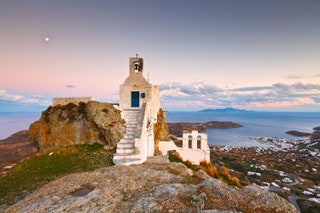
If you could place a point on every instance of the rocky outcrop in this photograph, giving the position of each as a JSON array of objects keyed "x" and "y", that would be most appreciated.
[
  {"x": 161, "y": 131},
  {"x": 298, "y": 134},
  {"x": 83, "y": 123},
  {"x": 155, "y": 186},
  {"x": 315, "y": 135}
]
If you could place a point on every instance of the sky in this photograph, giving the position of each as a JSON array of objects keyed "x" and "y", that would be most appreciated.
[{"x": 255, "y": 55}]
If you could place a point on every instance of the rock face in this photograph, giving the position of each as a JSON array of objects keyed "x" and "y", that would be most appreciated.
[
  {"x": 161, "y": 131},
  {"x": 72, "y": 124},
  {"x": 151, "y": 187}
]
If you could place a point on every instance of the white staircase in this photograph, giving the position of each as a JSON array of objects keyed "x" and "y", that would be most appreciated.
[{"x": 128, "y": 152}]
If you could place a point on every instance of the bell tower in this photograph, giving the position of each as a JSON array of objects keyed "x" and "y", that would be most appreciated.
[
  {"x": 136, "y": 65},
  {"x": 136, "y": 90}
]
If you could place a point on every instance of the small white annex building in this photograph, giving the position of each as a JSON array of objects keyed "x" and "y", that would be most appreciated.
[
  {"x": 139, "y": 105},
  {"x": 194, "y": 147}
]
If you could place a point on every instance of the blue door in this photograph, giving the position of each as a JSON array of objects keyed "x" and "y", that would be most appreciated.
[{"x": 135, "y": 99}]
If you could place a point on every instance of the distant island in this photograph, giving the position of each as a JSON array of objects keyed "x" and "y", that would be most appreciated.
[{"x": 227, "y": 109}]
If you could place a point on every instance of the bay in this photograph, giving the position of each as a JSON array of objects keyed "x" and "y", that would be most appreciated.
[{"x": 255, "y": 124}]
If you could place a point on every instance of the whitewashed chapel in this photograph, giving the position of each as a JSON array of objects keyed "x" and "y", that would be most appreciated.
[{"x": 139, "y": 105}]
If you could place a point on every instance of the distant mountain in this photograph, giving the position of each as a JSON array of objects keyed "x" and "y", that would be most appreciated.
[{"x": 228, "y": 109}]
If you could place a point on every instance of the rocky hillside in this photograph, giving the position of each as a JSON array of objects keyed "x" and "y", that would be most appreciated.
[
  {"x": 155, "y": 186},
  {"x": 71, "y": 124},
  {"x": 15, "y": 148}
]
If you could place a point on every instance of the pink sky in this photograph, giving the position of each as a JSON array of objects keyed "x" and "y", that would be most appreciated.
[{"x": 212, "y": 54}]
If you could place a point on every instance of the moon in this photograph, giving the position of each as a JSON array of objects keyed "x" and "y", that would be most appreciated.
[{"x": 47, "y": 39}]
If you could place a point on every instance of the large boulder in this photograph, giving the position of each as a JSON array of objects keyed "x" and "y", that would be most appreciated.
[{"x": 83, "y": 123}]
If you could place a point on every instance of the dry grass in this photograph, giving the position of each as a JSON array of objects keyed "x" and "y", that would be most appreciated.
[
  {"x": 188, "y": 163},
  {"x": 224, "y": 172},
  {"x": 235, "y": 181},
  {"x": 209, "y": 168},
  {"x": 222, "y": 175}
]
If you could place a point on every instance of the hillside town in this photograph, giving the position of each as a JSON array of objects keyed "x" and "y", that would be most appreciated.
[{"x": 287, "y": 167}]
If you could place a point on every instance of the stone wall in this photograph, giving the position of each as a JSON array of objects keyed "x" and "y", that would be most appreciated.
[{"x": 75, "y": 100}]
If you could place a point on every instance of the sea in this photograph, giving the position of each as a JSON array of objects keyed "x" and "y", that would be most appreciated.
[
  {"x": 255, "y": 124},
  {"x": 12, "y": 122}
]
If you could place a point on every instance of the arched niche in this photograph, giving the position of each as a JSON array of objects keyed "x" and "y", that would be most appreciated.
[
  {"x": 190, "y": 141},
  {"x": 199, "y": 138}
]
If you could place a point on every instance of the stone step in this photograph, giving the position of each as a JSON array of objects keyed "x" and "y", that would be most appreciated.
[
  {"x": 127, "y": 162},
  {"x": 125, "y": 150},
  {"x": 132, "y": 127},
  {"x": 133, "y": 124},
  {"x": 125, "y": 145},
  {"x": 135, "y": 115},
  {"x": 132, "y": 121},
  {"x": 126, "y": 139},
  {"x": 131, "y": 131},
  {"x": 126, "y": 159},
  {"x": 131, "y": 111},
  {"x": 128, "y": 115},
  {"x": 130, "y": 135},
  {"x": 127, "y": 156},
  {"x": 131, "y": 116}
]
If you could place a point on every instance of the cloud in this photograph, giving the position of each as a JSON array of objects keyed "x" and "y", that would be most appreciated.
[
  {"x": 194, "y": 89},
  {"x": 70, "y": 86},
  {"x": 282, "y": 104},
  {"x": 5, "y": 96},
  {"x": 200, "y": 95},
  {"x": 294, "y": 77},
  {"x": 248, "y": 89}
]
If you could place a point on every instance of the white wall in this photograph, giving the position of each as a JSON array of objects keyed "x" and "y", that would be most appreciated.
[
  {"x": 75, "y": 100},
  {"x": 193, "y": 155}
]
